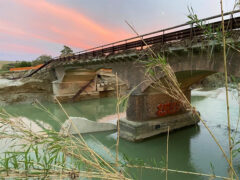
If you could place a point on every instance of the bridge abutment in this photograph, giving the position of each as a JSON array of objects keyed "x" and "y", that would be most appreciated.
[{"x": 149, "y": 114}]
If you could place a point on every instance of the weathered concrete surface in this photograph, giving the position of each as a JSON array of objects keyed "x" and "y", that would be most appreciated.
[
  {"x": 136, "y": 131},
  {"x": 72, "y": 81},
  {"x": 76, "y": 125},
  {"x": 144, "y": 106},
  {"x": 195, "y": 58},
  {"x": 60, "y": 72},
  {"x": 103, "y": 83}
]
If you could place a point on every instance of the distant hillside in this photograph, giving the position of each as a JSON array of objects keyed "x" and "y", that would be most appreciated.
[{"x": 5, "y": 62}]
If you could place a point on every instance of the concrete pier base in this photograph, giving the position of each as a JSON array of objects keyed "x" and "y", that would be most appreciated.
[{"x": 136, "y": 131}]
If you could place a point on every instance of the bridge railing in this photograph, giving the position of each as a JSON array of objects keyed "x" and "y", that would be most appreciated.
[
  {"x": 187, "y": 30},
  {"x": 182, "y": 31}
]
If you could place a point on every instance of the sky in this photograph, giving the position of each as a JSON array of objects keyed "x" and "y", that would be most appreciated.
[{"x": 30, "y": 28}]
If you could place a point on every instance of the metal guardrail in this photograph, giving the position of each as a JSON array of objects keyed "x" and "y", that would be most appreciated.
[{"x": 166, "y": 35}]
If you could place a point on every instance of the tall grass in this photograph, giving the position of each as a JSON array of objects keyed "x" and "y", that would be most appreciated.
[
  {"x": 162, "y": 78},
  {"x": 226, "y": 88},
  {"x": 51, "y": 154}
]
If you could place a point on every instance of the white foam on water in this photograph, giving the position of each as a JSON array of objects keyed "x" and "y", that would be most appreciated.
[
  {"x": 218, "y": 93},
  {"x": 210, "y": 93},
  {"x": 213, "y": 106}
]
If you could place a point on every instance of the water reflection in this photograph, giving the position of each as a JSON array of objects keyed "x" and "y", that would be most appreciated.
[
  {"x": 153, "y": 150},
  {"x": 91, "y": 109}
]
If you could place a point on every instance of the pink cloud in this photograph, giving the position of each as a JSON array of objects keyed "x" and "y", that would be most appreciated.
[
  {"x": 6, "y": 47},
  {"x": 67, "y": 38},
  {"x": 43, "y": 26},
  {"x": 57, "y": 23},
  {"x": 12, "y": 30}
]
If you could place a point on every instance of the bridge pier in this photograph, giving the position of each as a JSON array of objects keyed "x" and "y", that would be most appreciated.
[{"x": 149, "y": 114}]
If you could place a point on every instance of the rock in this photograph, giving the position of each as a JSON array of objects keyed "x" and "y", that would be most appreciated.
[{"x": 75, "y": 125}]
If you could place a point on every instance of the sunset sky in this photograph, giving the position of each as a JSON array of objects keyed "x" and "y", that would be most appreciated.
[{"x": 29, "y": 28}]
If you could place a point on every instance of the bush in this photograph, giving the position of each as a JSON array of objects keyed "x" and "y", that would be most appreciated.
[
  {"x": 23, "y": 64},
  {"x": 41, "y": 60},
  {"x": 6, "y": 67}
]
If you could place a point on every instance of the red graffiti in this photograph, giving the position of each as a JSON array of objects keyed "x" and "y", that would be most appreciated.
[{"x": 168, "y": 108}]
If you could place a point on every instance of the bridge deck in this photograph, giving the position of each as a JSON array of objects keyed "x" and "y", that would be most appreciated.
[{"x": 167, "y": 36}]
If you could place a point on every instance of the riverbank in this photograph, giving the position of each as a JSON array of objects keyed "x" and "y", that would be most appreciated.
[
  {"x": 19, "y": 91},
  {"x": 215, "y": 81}
]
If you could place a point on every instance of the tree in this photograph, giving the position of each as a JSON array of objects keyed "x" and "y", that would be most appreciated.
[
  {"x": 23, "y": 64},
  {"x": 41, "y": 60},
  {"x": 66, "y": 51}
]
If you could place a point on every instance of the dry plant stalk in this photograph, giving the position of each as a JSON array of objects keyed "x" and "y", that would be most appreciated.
[
  {"x": 170, "y": 86},
  {"x": 167, "y": 154},
  {"x": 226, "y": 88},
  {"x": 156, "y": 69},
  {"x": 118, "y": 119},
  {"x": 95, "y": 155},
  {"x": 238, "y": 99},
  {"x": 72, "y": 147},
  {"x": 179, "y": 171}
]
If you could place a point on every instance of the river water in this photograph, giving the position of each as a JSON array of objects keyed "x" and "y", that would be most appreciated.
[{"x": 190, "y": 149}]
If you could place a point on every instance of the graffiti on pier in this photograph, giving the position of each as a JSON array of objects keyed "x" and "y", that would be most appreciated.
[{"x": 168, "y": 108}]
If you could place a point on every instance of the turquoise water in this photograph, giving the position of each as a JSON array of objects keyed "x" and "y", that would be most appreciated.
[{"x": 190, "y": 149}]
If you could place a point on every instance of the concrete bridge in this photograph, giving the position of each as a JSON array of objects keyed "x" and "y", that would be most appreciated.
[{"x": 191, "y": 54}]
